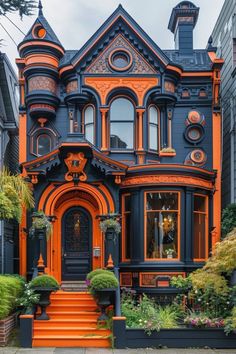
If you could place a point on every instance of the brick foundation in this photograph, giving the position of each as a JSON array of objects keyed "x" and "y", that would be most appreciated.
[{"x": 6, "y": 327}]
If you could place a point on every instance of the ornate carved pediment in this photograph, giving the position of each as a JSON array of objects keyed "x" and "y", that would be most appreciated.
[
  {"x": 75, "y": 163},
  {"x": 103, "y": 65}
]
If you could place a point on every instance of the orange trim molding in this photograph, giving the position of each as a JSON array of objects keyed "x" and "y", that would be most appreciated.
[
  {"x": 166, "y": 179},
  {"x": 104, "y": 85}
]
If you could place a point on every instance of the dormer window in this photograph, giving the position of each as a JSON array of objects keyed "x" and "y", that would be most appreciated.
[
  {"x": 121, "y": 124},
  {"x": 44, "y": 144}
]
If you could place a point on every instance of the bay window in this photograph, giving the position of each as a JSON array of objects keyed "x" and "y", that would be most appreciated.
[
  {"x": 200, "y": 236},
  {"x": 162, "y": 225}
]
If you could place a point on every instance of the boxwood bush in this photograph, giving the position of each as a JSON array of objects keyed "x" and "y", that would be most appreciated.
[
  {"x": 97, "y": 272},
  {"x": 44, "y": 281},
  {"x": 104, "y": 281},
  {"x": 11, "y": 288}
]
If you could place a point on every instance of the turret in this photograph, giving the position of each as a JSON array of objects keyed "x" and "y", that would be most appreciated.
[
  {"x": 182, "y": 22},
  {"x": 40, "y": 52}
]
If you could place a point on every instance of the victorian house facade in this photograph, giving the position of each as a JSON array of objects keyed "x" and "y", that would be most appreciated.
[{"x": 122, "y": 127}]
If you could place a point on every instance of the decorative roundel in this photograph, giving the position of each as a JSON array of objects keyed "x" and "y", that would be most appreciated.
[
  {"x": 196, "y": 158},
  {"x": 194, "y": 117},
  {"x": 39, "y": 31},
  {"x": 120, "y": 59},
  {"x": 194, "y": 133}
]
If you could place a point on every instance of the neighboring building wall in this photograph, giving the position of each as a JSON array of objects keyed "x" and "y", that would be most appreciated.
[
  {"x": 9, "y": 147},
  {"x": 224, "y": 38}
]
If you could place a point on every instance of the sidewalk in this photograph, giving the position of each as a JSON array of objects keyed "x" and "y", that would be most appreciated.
[{"x": 11, "y": 350}]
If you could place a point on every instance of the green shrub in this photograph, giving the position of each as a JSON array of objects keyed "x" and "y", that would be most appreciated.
[
  {"x": 104, "y": 281},
  {"x": 44, "y": 281},
  {"x": 11, "y": 287},
  {"x": 228, "y": 219},
  {"x": 224, "y": 256},
  {"x": 97, "y": 272}
]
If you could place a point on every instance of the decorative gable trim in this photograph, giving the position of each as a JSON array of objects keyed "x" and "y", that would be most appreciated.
[{"x": 101, "y": 64}]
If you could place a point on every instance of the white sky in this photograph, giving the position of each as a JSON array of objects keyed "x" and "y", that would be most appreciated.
[{"x": 75, "y": 21}]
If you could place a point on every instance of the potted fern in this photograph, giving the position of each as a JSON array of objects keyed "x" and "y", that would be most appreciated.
[
  {"x": 40, "y": 222},
  {"x": 44, "y": 285}
]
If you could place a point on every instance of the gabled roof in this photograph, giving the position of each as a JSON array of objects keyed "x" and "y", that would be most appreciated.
[{"x": 138, "y": 35}]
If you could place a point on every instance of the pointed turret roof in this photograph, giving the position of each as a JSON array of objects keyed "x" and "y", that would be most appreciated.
[{"x": 41, "y": 21}]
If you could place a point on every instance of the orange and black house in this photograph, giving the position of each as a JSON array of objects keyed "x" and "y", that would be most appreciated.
[{"x": 121, "y": 127}]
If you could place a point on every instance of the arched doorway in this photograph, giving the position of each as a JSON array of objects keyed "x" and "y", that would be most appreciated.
[
  {"x": 56, "y": 201},
  {"x": 76, "y": 243}
]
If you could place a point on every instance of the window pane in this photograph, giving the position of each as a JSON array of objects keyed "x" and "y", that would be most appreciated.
[
  {"x": 153, "y": 136},
  {"x": 44, "y": 144},
  {"x": 199, "y": 236},
  {"x": 153, "y": 115},
  {"x": 89, "y": 133},
  {"x": 199, "y": 203},
  {"x": 162, "y": 235},
  {"x": 121, "y": 109},
  {"x": 162, "y": 201},
  {"x": 126, "y": 221},
  {"x": 121, "y": 135},
  {"x": 89, "y": 115}
]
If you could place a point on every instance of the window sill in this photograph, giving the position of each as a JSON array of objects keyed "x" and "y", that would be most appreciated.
[{"x": 165, "y": 154}]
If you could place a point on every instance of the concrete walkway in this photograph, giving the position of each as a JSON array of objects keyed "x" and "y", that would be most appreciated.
[{"x": 11, "y": 350}]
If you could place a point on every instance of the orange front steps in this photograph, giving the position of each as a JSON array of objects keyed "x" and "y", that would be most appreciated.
[{"x": 73, "y": 323}]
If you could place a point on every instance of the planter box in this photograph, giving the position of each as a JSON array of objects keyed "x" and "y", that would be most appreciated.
[
  {"x": 173, "y": 338},
  {"x": 6, "y": 327}
]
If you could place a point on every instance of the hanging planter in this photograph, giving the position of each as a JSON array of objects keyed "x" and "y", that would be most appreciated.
[
  {"x": 110, "y": 223},
  {"x": 40, "y": 222}
]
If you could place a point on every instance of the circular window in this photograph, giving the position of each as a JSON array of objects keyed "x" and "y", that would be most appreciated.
[
  {"x": 198, "y": 156},
  {"x": 194, "y": 117},
  {"x": 120, "y": 60},
  {"x": 194, "y": 133},
  {"x": 39, "y": 32}
]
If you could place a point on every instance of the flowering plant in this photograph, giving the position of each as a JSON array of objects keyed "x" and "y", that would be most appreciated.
[
  {"x": 110, "y": 223},
  {"x": 28, "y": 299},
  {"x": 202, "y": 320}
]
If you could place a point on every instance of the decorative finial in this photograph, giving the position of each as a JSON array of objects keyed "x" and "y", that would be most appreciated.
[{"x": 40, "y": 7}]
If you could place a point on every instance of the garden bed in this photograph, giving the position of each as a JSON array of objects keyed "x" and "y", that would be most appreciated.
[{"x": 173, "y": 338}]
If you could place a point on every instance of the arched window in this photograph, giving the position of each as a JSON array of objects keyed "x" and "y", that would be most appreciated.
[
  {"x": 43, "y": 144},
  {"x": 89, "y": 115},
  {"x": 153, "y": 128},
  {"x": 121, "y": 124}
]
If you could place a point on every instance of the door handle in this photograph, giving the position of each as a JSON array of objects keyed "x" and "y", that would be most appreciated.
[{"x": 64, "y": 254}]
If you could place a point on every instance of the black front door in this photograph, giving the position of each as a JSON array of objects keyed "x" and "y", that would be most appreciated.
[{"x": 76, "y": 244}]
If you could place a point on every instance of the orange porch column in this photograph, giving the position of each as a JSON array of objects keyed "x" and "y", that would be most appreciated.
[
  {"x": 217, "y": 160},
  {"x": 104, "y": 146}
]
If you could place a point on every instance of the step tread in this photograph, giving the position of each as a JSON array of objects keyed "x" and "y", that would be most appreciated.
[
  {"x": 71, "y": 336},
  {"x": 53, "y": 320},
  {"x": 71, "y": 328}
]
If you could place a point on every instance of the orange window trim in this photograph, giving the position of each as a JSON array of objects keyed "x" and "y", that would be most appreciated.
[
  {"x": 124, "y": 259},
  {"x": 145, "y": 225},
  {"x": 206, "y": 226}
]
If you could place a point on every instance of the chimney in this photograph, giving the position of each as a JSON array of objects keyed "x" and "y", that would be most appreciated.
[{"x": 182, "y": 22}]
